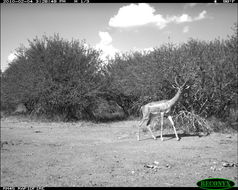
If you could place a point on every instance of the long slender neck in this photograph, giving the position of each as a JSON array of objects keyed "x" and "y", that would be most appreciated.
[{"x": 175, "y": 98}]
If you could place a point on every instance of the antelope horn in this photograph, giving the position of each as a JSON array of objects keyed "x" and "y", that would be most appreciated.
[{"x": 175, "y": 80}]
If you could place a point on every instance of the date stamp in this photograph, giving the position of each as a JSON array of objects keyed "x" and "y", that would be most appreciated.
[
  {"x": 228, "y": 1},
  {"x": 23, "y": 188}
]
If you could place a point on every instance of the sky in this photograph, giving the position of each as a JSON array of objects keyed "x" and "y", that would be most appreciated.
[{"x": 114, "y": 27}]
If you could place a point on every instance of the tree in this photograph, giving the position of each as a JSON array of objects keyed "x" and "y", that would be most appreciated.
[{"x": 54, "y": 76}]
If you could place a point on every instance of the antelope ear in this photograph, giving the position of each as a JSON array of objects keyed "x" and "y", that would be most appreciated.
[
  {"x": 174, "y": 86},
  {"x": 187, "y": 87}
]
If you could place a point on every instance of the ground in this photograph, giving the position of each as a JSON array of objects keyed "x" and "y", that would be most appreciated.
[{"x": 108, "y": 154}]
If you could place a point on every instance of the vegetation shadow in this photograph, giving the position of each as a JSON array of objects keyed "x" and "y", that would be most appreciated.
[{"x": 181, "y": 136}]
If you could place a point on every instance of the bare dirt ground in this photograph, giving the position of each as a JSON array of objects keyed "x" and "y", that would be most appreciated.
[{"x": 108, "y": 154}]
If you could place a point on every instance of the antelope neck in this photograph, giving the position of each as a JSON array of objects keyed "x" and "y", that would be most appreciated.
[{"x": 175, "y": 98}]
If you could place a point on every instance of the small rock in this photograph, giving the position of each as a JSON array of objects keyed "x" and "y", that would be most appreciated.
[
  {"x": 168, "y": 166},
  {"x": 225, "y": 164},
  {"x": 228, "y": 136},
  {"x": 213, "y": 168},
  {"x": 152, "y": 166},
  {"x": 149, "y": 166},
  {"x": 132, "y": 172},
  {"x": 156, "y": 162}
]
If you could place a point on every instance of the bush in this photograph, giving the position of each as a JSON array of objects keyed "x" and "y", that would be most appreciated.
[{"x": 190, "y": 122}]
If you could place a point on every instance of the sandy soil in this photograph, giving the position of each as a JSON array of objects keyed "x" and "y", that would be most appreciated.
[{"x": 108, "y": 154}]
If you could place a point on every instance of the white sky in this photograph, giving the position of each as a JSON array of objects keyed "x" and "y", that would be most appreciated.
[{"x": 115, "y": 27}]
